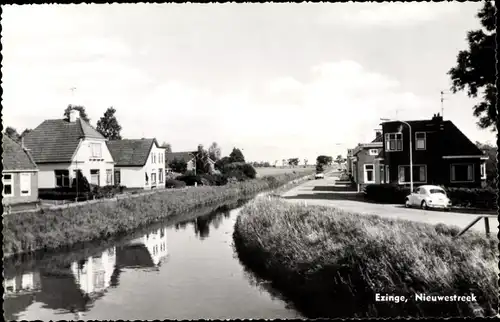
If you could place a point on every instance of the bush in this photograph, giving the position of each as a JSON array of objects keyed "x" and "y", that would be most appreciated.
[
  {"x": 215, "y": 179},
  {"x": 190, "y": 179},
  {"x": 485, "y": 198},
  {"x": 239, "y": 170},
  {"x": 172, "y": 183}
]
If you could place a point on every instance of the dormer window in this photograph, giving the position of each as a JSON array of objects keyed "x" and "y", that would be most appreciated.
[
  {"x": 420, "y": 141},
  {"x": 373, "y": 151}
]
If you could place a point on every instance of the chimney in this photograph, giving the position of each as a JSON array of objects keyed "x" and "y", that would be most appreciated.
[
  {"x": 73, "y": 115},
  {"x": 437, "y": 118}
]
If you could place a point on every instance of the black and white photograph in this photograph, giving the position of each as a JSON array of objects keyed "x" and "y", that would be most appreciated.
[{"x": 188, "y": 161}]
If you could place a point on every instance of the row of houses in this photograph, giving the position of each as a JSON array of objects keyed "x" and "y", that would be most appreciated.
[
  {"x": 52, "y": 154},
  {"x": 441, "y": 155}
]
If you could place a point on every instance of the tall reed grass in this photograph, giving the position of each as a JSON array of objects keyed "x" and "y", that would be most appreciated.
[
  {"x": 32, "y": 231},
  {"x": 331, "y": 264}
]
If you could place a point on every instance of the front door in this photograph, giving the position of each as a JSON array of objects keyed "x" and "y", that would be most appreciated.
[{"x": 117, "y": 177}]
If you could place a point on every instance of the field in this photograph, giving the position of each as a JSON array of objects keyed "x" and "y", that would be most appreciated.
[
  {"x": 316, "y": 256},
  {"x": 271, "y": 171}
]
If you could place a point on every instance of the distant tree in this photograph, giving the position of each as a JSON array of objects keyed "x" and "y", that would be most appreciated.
[
  {"x": 214, "y": 151},
  {"x": 167, "y": 146},
  {"x": 319, "y": 167},
  {"x": 81, "y": 109},
  {"x": 324, "y": 160},
  {"x": 266, "y": 164},
  {"x": 275, "y": 163},
  {"x": 305, "y": 162},
  {"x": 491, "y": 163},
  {"x": 475, "y": 69},
  {"x": 12, "y": 133},
  {"x": 202, "y": 163},
  {"x": 293, "y": 162},
  {"x": 236, "y": 156},
  {"x": 220, "y": 164},
  {"x": 108, "y": 125},
  {"x": 339, "y": 160},
  {"x": 178, "y": 165}
]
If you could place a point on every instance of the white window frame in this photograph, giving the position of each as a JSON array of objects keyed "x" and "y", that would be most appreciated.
[
  {"x": 109, "y": 175},
  {"x": 387, "y": 174},
  {"x": 62, "y": 178},
  {"x": 373, "y": 152},
  {"x": 98, "y": 173},
  {"x": 96, "y": 150},
  {"x": 483, "y": 170},
  {"x": 414, "y": 179},
  {"x": 27, "y": 191},
  {"x": 365, "y": 176},
  {"x": 160, "y": 175},
  {"x": 425, "y": 141},
  {"x": 451, "y": 172},
  {"x": 9, "y": 182},
  {"x": 395, "y": 139},
  {"x": 153, "y": 176}
]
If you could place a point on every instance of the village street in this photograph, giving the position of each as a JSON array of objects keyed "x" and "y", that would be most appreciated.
[{"x": 325, "y": 192}]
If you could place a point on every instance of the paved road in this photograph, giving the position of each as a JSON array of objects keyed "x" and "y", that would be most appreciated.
[{"x": 325, "y": 192}]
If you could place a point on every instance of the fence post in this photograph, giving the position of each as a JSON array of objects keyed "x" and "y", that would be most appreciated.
[{"x": 487, "y": 226}]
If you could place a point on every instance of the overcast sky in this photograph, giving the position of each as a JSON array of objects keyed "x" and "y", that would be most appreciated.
[{"x": 277, "y": 80}]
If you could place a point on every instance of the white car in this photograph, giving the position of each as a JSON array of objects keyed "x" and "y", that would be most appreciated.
[
  {"x": 319, "y": 175},
  {"x": 428, "y": 196}
]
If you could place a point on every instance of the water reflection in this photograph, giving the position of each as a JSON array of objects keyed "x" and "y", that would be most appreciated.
[
  {"x": 148, "y": 251},
  {"x": 201, "y": 225},
  {"x": 73, "y": 287}
]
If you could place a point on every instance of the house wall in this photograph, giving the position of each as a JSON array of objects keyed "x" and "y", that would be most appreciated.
[
  {"x": 132, "y": 177},
  {"x": 363, "y": 157},
  {"x": 153, "y": 166},
  {"x": 84, "y": 161},
  {"x": 438, "y": 169},
  {"x": 46, "y": 175},
  {"x": 16, "y": 188}
]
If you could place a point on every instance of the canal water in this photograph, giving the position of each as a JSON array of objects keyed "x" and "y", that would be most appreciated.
[{"x": 177, "y": 270}]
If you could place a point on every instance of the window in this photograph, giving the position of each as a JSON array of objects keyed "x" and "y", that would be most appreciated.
[
  {"x": 419, "y": 174},
  {"x": 62, "y": 178},
  {"x": 95, "y": 150},
  {"x": 160, "y": 175},
  {"x": 420, "y": 139},
  {"x": 147, "y": 178},
  {"x": 373, "y": 151},
  {"x": 387, "y": 175},
  {"x": 117, "y": 177},
  {"x": 483, "y": 171},
  {"x": 394, "y": 141},
  {"x": 381, "y": 174},
  {"x": 153, "y": 157},
  {"x": 153, "y": 178},
  {"x": 94, "y": 177},
  {"x": 25, "y": 184},
  {"x": 109, "y": 177},
  {"x": 462, "y": 173},
  {"x": 437, "y": 191},
  {"x": 7, "y": 184},
  {"x": 369, "y": 173}
]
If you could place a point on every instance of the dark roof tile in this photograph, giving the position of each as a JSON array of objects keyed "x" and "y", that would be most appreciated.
[
  {"x": 130, "y": 153},
  {"x": 14, "y": 157}
]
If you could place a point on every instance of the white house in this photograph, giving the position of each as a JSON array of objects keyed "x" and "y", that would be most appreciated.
[
  {"x": 138, "y": 163},
  {"x": 61, "y": 147}
]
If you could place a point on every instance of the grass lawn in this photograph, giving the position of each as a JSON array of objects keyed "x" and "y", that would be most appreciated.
[
  {"x": 331, "y": 264},
  {"x": 279, "y": 170}
]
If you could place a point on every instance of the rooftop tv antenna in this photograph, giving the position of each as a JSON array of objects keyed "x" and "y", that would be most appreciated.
[{"x": 442, "y": 102}]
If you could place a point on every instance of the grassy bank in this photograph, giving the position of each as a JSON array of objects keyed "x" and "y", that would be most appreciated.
[
  {"x": 329, "y": 263},
  {"x": 29, "y": 231}
]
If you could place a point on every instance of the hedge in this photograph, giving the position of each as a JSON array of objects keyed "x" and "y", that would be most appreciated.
[
  {"x": 71, "y": 193},
  {"x": 172, "y": 183},
  {"x": 484, "y": 198}
]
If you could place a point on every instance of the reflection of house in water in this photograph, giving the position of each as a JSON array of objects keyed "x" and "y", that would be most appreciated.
[
  {"x": 19, "y": 293},
  {"x": 73, "y": 287},
  {"x": 147, "y": 251}
]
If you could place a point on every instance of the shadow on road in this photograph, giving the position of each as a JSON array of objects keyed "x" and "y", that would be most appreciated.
[
  {"x": 330, "y": 196},
  {"x": 333, "y": 189}
]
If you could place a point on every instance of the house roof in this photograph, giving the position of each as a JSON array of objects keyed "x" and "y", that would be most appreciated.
[
  {"x": 131, "y": 153},
  {"x": 56, "y": 140},
  {"x": 185, "y": 156},
  {"x": 378, "y": 138},
  {"x": 14, "y": 157}
]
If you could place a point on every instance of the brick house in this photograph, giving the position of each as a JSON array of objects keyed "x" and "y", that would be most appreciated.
[
  {"x": 365, "y": 163},
  {"x": 442, "y": 154},
  {"x": 19, "y": 174}
]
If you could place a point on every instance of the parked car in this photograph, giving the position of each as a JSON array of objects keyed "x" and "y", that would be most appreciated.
[
  {"x": 319, "y": 175},
  {"x": 428, "y": 196}
]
